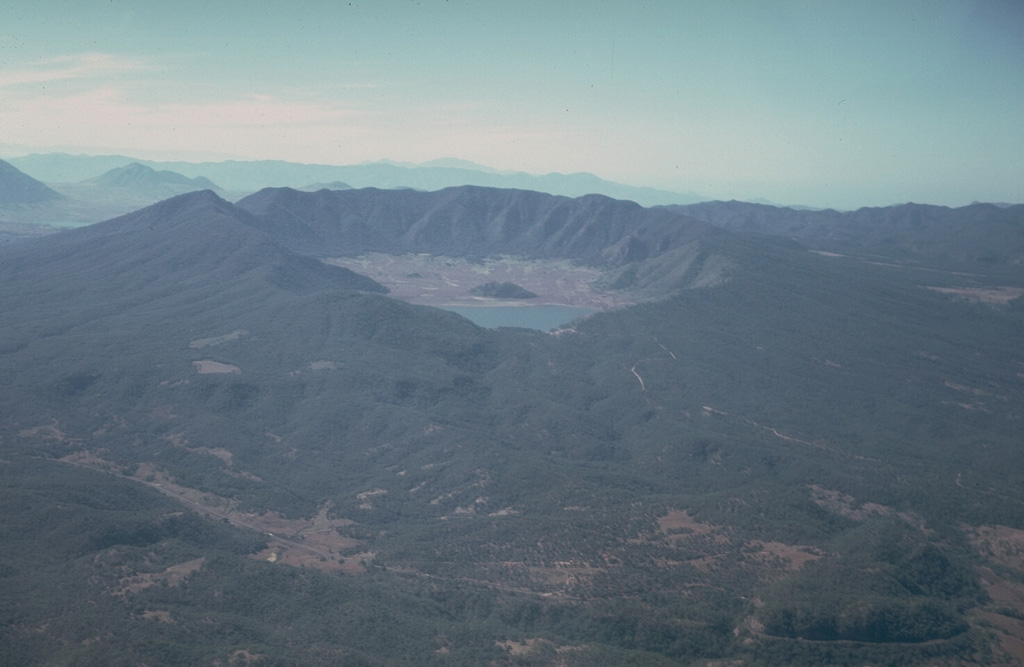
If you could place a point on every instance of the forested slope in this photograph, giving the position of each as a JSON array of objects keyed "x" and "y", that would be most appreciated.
[{"x": 341, "y": 477}]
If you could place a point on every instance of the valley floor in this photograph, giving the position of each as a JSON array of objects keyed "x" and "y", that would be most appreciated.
[{"x": 434, "y": 280}]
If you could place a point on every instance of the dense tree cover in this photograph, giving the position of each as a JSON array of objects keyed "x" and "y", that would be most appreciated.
[
  {"x": 829, "y": 428},
  {"x": 986, "y": 237}
]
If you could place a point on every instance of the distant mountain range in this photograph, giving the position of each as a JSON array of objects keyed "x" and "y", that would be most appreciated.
[
  {"x": 215, "y": 447},
  {"x": 980, "y": 236},
  {"x": 333, "y": 185},
  {"x": 30, "y": 203},
  {"x": 250, "y": 176},
  {"x": 985, "y": 236},
  {"x": 138, "y": 177},
  {"x": 470, "y": 221}
]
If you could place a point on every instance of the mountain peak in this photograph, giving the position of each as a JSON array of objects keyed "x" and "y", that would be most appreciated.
[
  {"x": 17, "y": 187},
  {"x": 458, "y": 163},
  {"x": 199, "y": 207},
  {"x": 196, "y": 238},
  {"x": 140, "y": 176}
]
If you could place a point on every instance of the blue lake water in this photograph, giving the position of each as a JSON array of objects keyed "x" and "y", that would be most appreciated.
[{"x": 544, "y": 318}]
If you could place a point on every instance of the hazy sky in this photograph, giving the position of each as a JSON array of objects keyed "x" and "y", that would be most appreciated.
[{"x": 830, "y": 103}]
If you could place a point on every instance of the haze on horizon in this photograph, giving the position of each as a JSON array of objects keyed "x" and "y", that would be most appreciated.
[{"x": 841, "y": 104}]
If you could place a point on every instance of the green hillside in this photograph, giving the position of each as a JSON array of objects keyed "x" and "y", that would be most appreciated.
[{"x": 216, "y": 448}]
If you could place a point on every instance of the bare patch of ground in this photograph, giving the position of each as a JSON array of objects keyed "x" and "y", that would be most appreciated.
[
  {"x": 846, "y": 505},
  {"x": 1003, "y": 548},
  {"x": 164, "y": 412},
  {"x": 794, "y": 557},
  {"x": 88, "y": 459},
  {"x": 1002, "y": 591},
  {"x": 1010, "y": 632},
  {"x": 678, "y": 528},
  {"x": 299, "y": 558},
  {"x": 309, "y": 542},
  {"x": 564, "y": 574},
  {"x": 995, "y": 295},
  {"x": 209, "y": 366},
  {"x": 1000, "y": 544},
  {"x": 172, "y": 576},
  {"x": 179, "y": 440},
  {"x": 445, "y": 281},
  {"x": 679, "y": 525},
  {"x": 357, "y": 563},
  {"x": 221, "y": 453},
  {"x": 158, "y": 615},
  {"x": 677, "y": 520},
  {"x": 217, "y": 340},
  {"x": 47, "y": 432},
  {"x": 524, "y": 646},
  {"x": 365, "y": 496},
  {"x": 316, "y": 537}
]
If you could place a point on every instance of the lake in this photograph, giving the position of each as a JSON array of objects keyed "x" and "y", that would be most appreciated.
[{"x": 544, "y": 318}]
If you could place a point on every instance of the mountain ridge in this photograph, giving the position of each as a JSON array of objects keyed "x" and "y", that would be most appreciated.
[
  {"x": 212, "y": 236},
  {"x": 474, "y": 218},
  {"x": 643, "y": 251},
  {"x": 981, "y": 235},
  {"x": 252, "y": 175},
  {"x": 140, "y": 177},
  {"x": 18, "y": 188}
]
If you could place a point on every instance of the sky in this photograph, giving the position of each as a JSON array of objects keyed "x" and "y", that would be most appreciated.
[{"x": 832, "y": 103}]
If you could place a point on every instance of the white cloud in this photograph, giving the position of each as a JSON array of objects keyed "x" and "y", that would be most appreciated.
[
  {"x": 77, "y": 67},
  {"x": 97, "y": 99},
  {"x": 109, "y": 114}
]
